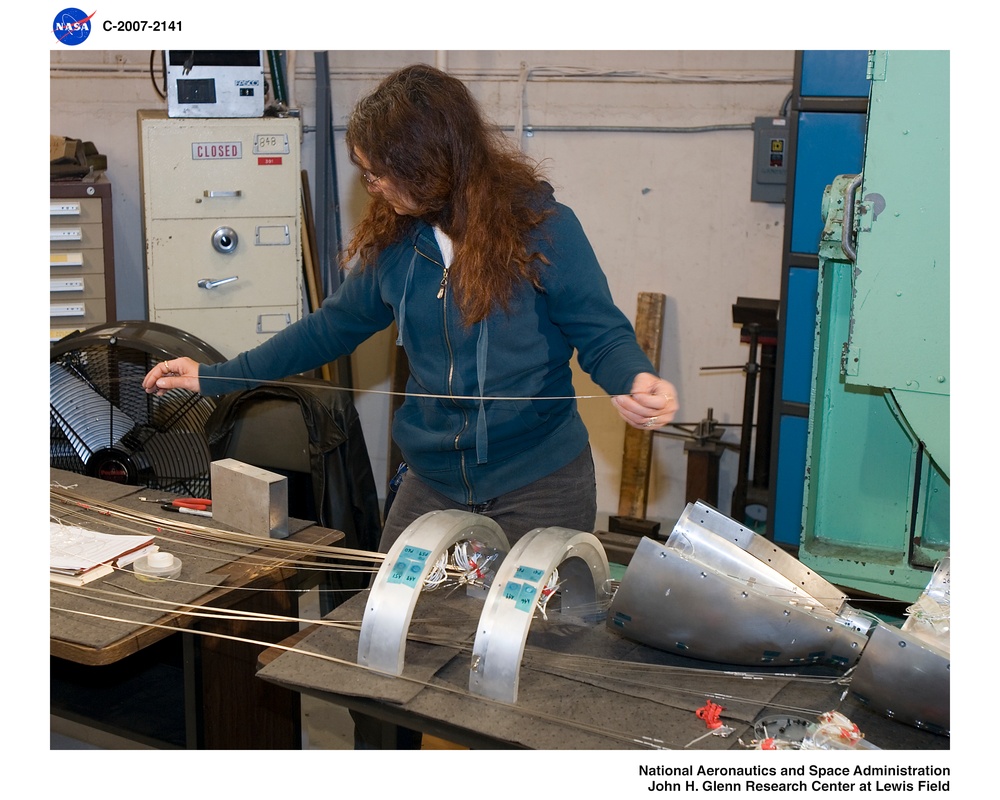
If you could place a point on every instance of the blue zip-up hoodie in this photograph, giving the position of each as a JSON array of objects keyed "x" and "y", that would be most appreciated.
[{"x": 489, "y": 408}]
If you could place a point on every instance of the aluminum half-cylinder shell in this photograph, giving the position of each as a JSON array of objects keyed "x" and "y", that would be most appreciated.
[
  {"x": 709, "y": 535},
  {"x": 706, "y": 596},
  {"x": 397, "y": 586},
  {"x": 510, "y": 606},
  {"x": 905, "y": 678}
]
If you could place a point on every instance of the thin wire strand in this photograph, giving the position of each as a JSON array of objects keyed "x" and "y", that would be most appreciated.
[
  {"x": 319, "y": 384},
  {"x": 282, "y": 550},
  {"x": 603, "y": 731},
  {"x": 278, "y": 546},
  {"x": 573, "y": 667},
  {"x": 531, "y": 712}
]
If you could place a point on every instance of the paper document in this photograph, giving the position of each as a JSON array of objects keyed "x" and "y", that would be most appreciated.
[{"x": 73, "y": 550}]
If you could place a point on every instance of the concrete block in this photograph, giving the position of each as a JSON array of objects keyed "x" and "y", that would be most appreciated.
[{"x": 250, "y": 499}]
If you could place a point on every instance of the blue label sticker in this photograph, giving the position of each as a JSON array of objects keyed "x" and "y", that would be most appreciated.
[
  {"x": 511, "y": 590},
  {"x": 526, "y": 600},
  {"x": 410, "y": 566},
  {"x": 529, "y": 574},
  {"x": 403, "y": 572},
  {"x": 416, "y": 552},
  {"x": 398, "y": 570}
]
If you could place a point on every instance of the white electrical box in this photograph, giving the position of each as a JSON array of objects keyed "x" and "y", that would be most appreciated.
[
  {"x": 223, "y": 226},
  {"x": 215, "y": 83}
]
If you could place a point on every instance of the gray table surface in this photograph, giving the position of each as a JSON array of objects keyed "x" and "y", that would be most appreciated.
[{"x": 581, "y": 686}]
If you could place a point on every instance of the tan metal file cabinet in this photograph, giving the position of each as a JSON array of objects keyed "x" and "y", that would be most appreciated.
[
  {"x": 222, "y": 220},
  {"x": 81, "y": 255}
]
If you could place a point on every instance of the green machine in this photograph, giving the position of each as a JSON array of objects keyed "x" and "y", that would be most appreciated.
[{"x": 876, "y": 505}]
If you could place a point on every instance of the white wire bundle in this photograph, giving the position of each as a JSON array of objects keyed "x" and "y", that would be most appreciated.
[
  {"x": 438, "y": 574},
  {"x": 551, "y": 585},
  {"x": 472, "y": 565}
]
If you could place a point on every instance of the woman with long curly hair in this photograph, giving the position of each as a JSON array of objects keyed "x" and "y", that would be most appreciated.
[{"x": 492, "y": 285}]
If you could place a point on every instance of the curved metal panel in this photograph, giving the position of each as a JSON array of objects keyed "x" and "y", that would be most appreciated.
[
  {"x": 708, "y": 535},
  {"x": 679, "y": 603},
  {"x": 397, "y": 585},
  {"x": 906, "y": 679},
  {"x": 510, "y": 605}
]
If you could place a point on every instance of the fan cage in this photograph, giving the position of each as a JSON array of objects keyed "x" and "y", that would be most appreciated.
[{"x": 104, "y": 424}]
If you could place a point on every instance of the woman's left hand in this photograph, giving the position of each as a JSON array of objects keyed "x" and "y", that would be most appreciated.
[{"x": 651, "y": 404}]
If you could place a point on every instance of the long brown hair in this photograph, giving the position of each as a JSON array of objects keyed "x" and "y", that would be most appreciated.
[{"x": 422, "y": 129}]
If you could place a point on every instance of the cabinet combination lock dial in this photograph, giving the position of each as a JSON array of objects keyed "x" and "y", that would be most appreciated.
[{"x": 225, "y": 240}]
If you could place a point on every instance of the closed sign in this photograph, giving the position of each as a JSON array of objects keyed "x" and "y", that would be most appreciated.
[{"x": 201, "y": 151}]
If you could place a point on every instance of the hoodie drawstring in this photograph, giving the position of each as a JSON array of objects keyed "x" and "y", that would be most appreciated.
[
  {"x": 482, "y": 440},
  {"x": 402, "y": 301}
]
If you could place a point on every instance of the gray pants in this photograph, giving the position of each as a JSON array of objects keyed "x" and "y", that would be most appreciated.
[{"x": 567, "y": 498}]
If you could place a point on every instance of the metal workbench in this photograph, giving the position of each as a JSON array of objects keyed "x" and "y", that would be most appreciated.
[{"x": 582, "y": 687}]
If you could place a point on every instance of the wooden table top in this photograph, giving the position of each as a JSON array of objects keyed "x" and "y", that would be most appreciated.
[{"x": 219, "y": 578}]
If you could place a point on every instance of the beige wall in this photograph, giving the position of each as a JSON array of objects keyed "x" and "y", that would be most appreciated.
[{"x": 667, "y": 210}]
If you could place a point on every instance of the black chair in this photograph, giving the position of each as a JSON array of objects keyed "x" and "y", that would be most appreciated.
[{"x": 312, "y": 435}]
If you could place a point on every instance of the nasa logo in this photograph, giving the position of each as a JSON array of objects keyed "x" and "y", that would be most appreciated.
[{"x": 71, "y": 26}]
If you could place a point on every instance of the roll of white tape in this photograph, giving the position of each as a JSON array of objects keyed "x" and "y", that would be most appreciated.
[
  {"x": 160, "y": 560},
  {"x": 157, "y": 567}
]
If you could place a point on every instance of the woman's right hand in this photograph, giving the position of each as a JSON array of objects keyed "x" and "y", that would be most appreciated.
[{"x": 175, "y": 373}]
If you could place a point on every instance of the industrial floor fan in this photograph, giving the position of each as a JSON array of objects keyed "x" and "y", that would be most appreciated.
[{"x": 102, "y": 422}]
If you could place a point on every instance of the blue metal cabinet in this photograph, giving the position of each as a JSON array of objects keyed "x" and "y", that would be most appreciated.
[
  {"x": 800, "y": 324},
  {"x": 827, "y": 125},
  {"x": 834, "y": 73},
  {"x": 827, "y": 144},
  {"x": 789, "y": 487}
]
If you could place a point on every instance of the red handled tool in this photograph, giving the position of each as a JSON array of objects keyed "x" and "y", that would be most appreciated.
[{"x": 190, "y": 505}]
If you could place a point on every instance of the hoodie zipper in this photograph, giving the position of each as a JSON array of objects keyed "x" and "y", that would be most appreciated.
[
  {"x": 444, "y": 283},
  {"x": 441, "y": 293},
  {"x": 444, "y": 272}
]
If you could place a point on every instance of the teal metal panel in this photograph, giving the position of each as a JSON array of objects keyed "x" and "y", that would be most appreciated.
[
  {"x": 900, "y": 334},
  {"x": 875, "y": 507},
  {"x": 858, "y": 459},
  {"x": 859, "y": 467},
  {"x": 935, "y": 511}
]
